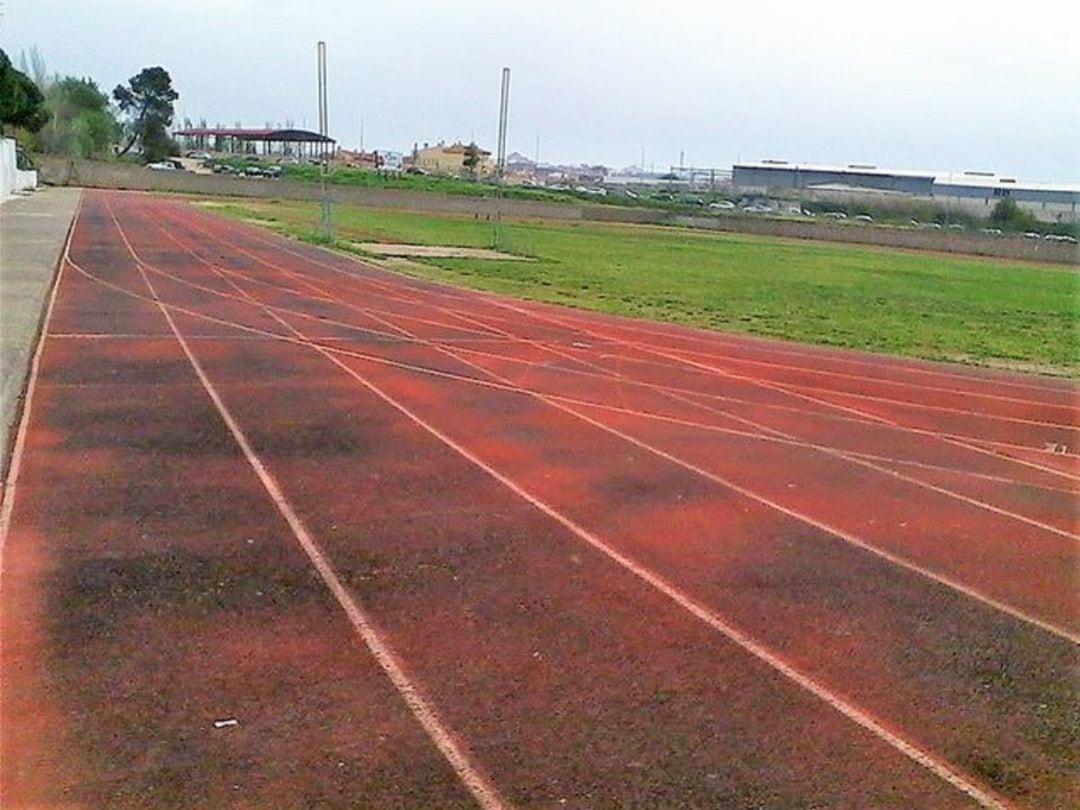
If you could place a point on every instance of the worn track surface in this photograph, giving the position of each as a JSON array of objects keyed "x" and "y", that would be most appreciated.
[{"x": 430, "y": 547}]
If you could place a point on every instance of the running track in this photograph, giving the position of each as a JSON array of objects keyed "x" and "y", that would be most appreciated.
[{"x": 436, "y": 548}]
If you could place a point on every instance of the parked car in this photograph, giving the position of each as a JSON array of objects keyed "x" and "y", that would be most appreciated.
[
  {"x": 991, "y": 231},
  {"x": 757, "y": 208},
  {"x": 272, "y": 171},
  {"x": 723, "y": 205},
  {"x": 1032, "y": 235},
  {"x": 834, "y": 215},
  {"x": 162, "y": 166},
  {"x": 197, "y": 155},
  {"x": 863, "y": 218}
]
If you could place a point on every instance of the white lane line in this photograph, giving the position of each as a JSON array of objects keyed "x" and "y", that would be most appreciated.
[
  {"x": 497, "y": 300},
  {"x": 715, "y": 339},
  {"x": 939, "y": 767},
  {"x": 256, "y": 334},
  {"x": 842, "y": 455},
  {"x": 721, "y": 342},
  {"x": 935, "y": 765},
  {"x": 837, "y": 453},
  {"x": 482, "y": 789},
  {"x": 858, "y": 415},
  {"x": 517, "y": 389},
  {"x": 957, "y": 441},
  {"x": 880, "y": 380},
  {"x": 326, "y": 296},
  {"x": 850, "y": 457},
  {"x": 834, "y": 531},
  {"x": 766, "y": 432}
]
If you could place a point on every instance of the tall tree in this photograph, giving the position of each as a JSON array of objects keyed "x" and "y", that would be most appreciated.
[
  {"x": 82, "y": 122},
  {"x": 21, "y": 102},
  {"x": 147, "y": 100},
  {"x": 34, "y": 67}
]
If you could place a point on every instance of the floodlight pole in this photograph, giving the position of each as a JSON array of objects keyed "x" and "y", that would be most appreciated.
[
  {"x": 326, "y": 219},
  {"x": 500, "y": 161}
]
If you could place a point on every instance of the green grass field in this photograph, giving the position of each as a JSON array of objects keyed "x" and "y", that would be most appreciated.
[{"x": 877, "y": 299}]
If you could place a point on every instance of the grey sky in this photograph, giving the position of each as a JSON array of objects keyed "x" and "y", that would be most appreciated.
[{"x": 947, "y": 86}]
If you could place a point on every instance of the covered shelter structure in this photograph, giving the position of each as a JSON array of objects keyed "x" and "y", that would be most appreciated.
[{"x": 299, "y": 143}]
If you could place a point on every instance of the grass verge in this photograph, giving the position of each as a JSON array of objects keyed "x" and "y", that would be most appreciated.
[{"x": 876, "y": 299}]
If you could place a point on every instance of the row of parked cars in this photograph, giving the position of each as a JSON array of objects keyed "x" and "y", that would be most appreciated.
[
  {"x": 1051, "y": 237},
  {"x": 247, "y": 170},
  {"x": 244, "y": 170}
]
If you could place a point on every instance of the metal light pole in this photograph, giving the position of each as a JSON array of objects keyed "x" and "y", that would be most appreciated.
[
  {"x": 500, "y": 161},
  {"x": 326, "y": 219}
]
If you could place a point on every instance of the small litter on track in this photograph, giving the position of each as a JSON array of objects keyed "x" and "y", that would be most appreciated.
[{"x": 232, "y": 721}]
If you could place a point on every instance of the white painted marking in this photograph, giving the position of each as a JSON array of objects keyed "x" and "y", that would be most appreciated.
[
  {"x": 485, "y": 793},
  {"x": 935, "y": 765},
  {"x": 834, "y": 531},
  {"x": 948, "y": 438}
]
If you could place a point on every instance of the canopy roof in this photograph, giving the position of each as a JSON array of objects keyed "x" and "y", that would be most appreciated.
[{"x": 293, "y": 135}]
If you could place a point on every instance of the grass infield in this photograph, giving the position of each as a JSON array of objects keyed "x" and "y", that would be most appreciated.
[{"x": 917, "y": 304}]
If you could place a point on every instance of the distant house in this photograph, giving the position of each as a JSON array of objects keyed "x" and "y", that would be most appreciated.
[{"x": 443, "y": 159}]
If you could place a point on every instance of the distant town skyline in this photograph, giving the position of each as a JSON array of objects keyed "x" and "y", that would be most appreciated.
[{"x": 939, "y": 87}]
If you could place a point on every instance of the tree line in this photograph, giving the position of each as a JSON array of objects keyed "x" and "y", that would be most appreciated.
[{"x": 69, "y": 115}]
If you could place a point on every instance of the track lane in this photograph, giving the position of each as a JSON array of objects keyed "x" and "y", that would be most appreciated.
[
  {"x": 279, "y": 356},
  {"x": 1050, "y": 560},
  {"x": 861, "y": 718},
  {"x": 933, "y": 485},
  {"x": 988, "y": 381},
  {"x": 337, "y": 410},
  {"x": 367, "y": 271},
  {"x": 147, "y": 593}
]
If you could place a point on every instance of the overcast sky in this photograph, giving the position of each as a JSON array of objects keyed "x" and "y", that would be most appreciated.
[{"x": 920, "y": 85}]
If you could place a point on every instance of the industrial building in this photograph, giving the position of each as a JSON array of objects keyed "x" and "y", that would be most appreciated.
[
  {"x": 769, "y": 174},
  {"x": 974, "y": 192}
]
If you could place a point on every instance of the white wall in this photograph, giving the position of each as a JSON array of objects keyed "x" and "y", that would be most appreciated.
[{"x": 13, "y": 179}]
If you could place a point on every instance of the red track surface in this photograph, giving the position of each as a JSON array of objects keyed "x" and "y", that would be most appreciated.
[{"x": 432, "y": 548}]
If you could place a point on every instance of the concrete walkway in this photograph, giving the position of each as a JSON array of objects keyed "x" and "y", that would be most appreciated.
[{"x": 32, "y": 233}]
